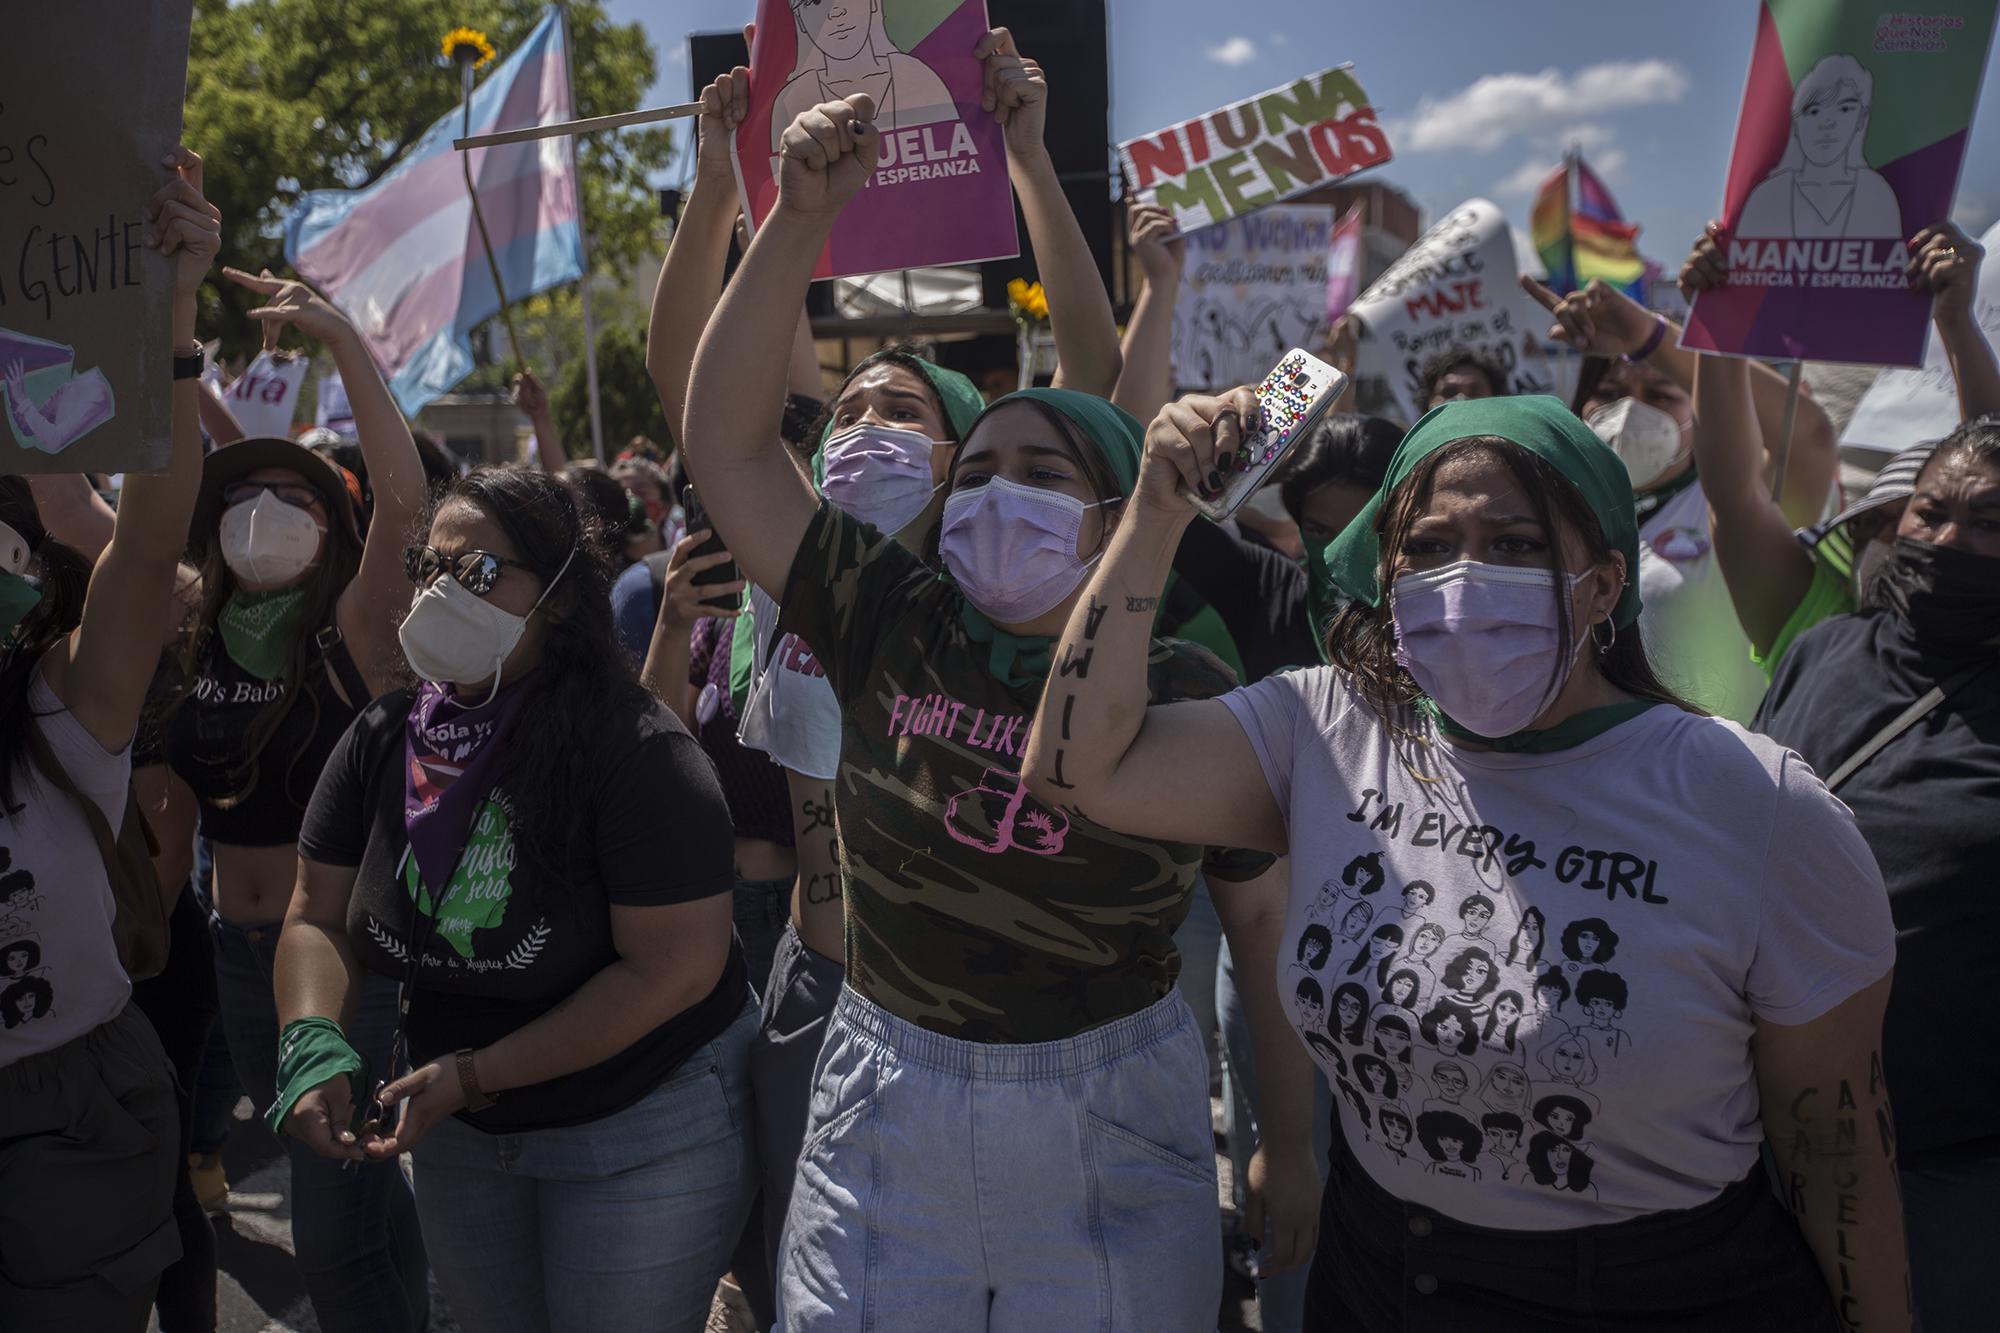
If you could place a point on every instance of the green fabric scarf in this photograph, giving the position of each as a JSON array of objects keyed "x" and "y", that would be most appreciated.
[
  {"x": 1587, "y": 725},
  {"x": 1022, "y": 660},
  {"x": 1538, "y": 423},
  {"x": 258, "y": 628},
  {"x": 311, "y": 1051}
]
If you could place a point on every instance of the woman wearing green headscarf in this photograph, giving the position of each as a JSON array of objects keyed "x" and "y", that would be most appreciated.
[
  {"x": 1651, "y": 921},
  {"x": 1010, "y": 1121}
]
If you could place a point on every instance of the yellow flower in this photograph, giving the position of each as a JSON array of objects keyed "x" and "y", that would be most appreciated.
[
  {"x": 1028, "y": 299},
  {"x": 468, "y": 44},
  {"x": 1017, "y": 291}
]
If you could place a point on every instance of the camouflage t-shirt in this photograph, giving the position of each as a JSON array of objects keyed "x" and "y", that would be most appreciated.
[{"x": 972, "y": 908}]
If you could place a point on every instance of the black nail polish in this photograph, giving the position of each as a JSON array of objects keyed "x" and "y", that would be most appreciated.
[{"x": 1214, "y": 481}]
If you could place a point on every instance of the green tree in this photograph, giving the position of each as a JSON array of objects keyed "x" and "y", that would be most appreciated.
[
  {"x": 625, "y": 392},
  {"x": 286, "y": 96}
]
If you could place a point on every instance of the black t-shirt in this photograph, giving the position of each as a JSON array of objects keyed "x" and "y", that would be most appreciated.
[
  {"x": 509, "y": 944},
  {"x": 1929, "y": 805},
  {"x": 1259, "y": 593}
]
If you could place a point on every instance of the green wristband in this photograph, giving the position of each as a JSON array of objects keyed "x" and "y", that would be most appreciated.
[{"x": 311, "y": 1051}]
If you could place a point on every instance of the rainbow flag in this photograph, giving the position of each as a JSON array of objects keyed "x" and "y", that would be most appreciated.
[{"x": 1590, "y": 240}]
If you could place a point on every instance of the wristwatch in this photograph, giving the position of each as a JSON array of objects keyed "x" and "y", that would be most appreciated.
[
  {"x": 468, "y": 1079},
  {"x": 188, "y": 365}
]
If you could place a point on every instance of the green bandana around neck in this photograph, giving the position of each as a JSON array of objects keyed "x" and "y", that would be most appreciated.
[
  {"x": 1016, "y": 660},
  {"x": 1573, "y": 731},
  {"x": 1538, "y": 423},
  {"x": 258, "y": 628},
  {"x": 18, "y": 596}
]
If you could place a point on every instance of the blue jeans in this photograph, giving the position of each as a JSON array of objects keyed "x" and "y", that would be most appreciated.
[
  {"x": 947, "y": 1184},
  {"x": 355, "y": 1233},
  {"x": 760, "y": 909},
  {"x": 1281, "y": 1299},
  {"x": 618, "y": 1225},
  {"x": 1199, "y": 943}
]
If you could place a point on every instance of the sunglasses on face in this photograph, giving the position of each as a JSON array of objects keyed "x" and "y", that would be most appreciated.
[
  {"x": 294, "y": 493},
  {"x": 478, "y": 571}
]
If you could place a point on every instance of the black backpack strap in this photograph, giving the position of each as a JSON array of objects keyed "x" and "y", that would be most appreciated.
[{"x": 333, "y": 650}]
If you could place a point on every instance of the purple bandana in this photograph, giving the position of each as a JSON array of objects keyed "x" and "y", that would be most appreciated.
[{"x": 450, "y": 754}]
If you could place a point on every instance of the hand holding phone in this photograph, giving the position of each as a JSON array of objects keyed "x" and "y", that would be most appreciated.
[
  {"x": 727, "y": 572},
  {"x": 1292, "y": 401}
]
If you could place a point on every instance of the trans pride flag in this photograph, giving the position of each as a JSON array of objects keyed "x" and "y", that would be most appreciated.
[
  {"x": 402, "y": 256},
  {"x": 1591, "y": 240}
]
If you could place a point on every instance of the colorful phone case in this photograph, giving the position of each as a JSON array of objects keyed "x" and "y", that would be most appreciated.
[{"x": 1294, "y": 398}]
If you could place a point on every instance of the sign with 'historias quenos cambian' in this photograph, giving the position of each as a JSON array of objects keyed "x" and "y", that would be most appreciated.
[
  {"x": 1258, "y": 151},
  {"x": 86, "y": 310}
]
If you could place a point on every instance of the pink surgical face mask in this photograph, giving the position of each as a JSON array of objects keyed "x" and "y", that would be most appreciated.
[
  {"x": 1483, "y": 642},
  {"x": 879, "y": 474},
  {"x": 1012, "y": 548}
]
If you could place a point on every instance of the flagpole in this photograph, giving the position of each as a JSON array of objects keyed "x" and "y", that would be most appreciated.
[
  {"x": 479, "y": 218},
  {"x": 1569, "y": 215},
  {"x": 583, "y": 243}
]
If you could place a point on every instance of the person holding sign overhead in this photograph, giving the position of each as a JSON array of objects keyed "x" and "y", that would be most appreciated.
[
  {"x": 88, "y": 1126},
  {"x": 1010, "y": 963},
  {"x": 1489, "y": 725}
]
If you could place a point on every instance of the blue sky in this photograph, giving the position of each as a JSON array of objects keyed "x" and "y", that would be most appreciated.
[{"x": 1479, "y": 96}]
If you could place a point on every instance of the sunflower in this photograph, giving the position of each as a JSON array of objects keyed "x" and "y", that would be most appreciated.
[
  {"x": 468, "y": 44},
  {"x": 1028, "y": 300}
]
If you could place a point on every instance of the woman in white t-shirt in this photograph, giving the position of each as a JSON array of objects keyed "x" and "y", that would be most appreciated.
[
  {"x": 1492, "y": 727},
  {"x": 88, "y": 1126}
]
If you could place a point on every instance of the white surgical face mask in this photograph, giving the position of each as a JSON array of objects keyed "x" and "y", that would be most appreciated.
[
  {"x": 880, "y": 475},
  {"x": 267, "y": 543},
  {"x": 453, "y": 635},
  {"x": 1645, "y": 439}
]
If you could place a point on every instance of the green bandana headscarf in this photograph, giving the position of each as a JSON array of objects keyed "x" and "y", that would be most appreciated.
[
  {"x": 962, "y": 403},
  {"x": 258, "y": 628},
  {"x": 1538, "y": 423},
  {"x": 18, "y": 596},
  {"x": 1021, "y": 660}
]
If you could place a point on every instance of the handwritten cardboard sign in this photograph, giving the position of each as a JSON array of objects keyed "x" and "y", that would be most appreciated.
[
  {"x": 90, "y": 101},
  {"x": 1259, "y": 151},
  {"x": 1255, "y": 288},
  {"x": 1457, "y": 287},
  {"x": 940, "y": 193}
]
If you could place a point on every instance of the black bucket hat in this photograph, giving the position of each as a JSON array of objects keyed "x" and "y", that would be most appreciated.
[{"x": 235, "y": 461}]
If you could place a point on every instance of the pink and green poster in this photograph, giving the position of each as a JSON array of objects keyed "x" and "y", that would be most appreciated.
[
  {"x": 940, "y": 194},
  {"x": 1850, "y": 141}
]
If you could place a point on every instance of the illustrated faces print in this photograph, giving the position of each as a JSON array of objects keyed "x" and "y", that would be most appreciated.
[
  {"x": 1418, "y": 895},
  {"x": 1451, "y": 1029},
  {"x": 25, "y": 1000},
  {"x": 1506, "y": 1088},
  {"x": 1475, "y": 914},
  {"x": 1350, "y": 1004},
  {"x": 1363, "y": 874},
  {"x": 1396, "y": 1129},
  {"x": 1311, "y": 1004},
  {"x": 1401, "y": 990},
  {"x": 1564, "y": 1116},
  {"x": 1314, "y": 946},
  {"x": 1450, "y": 1081},
  {"x": 1355, "y": 922},
  {"x": 1392, "y": 1038},
  {"x": 1589, "y": 942},
  {"x": 18, "y": 958},
  {"x": 1568, "y": 1060},
  {"x": 1469, "y": 976},
  {"x": 1427, "y": 941}
]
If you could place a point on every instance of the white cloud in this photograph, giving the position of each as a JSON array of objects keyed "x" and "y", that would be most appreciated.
[
  {"x": 1972, "y": 214},
  {"x": 1238, "y": 50},
  {"x": 677, "y": 54},
  {"x": 1526, "y": 178},
  {"x": 1498, "y": 107},
  {"x": 1525, "y": 258}
]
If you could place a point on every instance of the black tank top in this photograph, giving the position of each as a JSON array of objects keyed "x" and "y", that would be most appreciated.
[{"x": 208, "y": 736}]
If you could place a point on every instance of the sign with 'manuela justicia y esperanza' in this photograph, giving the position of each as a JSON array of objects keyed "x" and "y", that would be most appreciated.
[
  {"x": 1258, "y": 151},
  {"x": 1850, "y": 142}
]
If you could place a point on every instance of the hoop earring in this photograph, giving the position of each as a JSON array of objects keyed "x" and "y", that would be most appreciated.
[{"x": 1605, "y": 648}]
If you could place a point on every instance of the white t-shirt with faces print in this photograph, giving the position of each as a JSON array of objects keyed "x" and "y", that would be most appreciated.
[{"x": 1555, "y": 1030}]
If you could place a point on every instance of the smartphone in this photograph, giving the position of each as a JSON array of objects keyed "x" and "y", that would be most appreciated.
[
  {"x": 1293, "y": 399},
  {"x": 697, "y": 519}
]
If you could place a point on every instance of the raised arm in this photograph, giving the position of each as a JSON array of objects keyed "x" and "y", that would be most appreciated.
[
  {"x": 1096, "y": 750},
  {"x": 102, "y": 669},
  {"x": 1086, "y": 334},
  {"x": 533, "y": 400},
  {"x": 73, "y": 512},
  {"x": 1146, "y": 380},
  {"x": 749, "y": 486},
  {"x": 1766, "y": 569},
  {"x": 216, "y": 418},
  {"x": 691, "y": 278},
  {"x": 1600, "y": 320},
  {"x": 1826, "y": 1115},
  {"x": 1946, "y": 261},
  {"x": 373, "y": 602}
]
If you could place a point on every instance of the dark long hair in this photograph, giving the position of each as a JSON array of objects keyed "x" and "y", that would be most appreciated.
[
  {"x": 1348, "y": 450},
  {"x": 1361, "y": 639},
  {"x": 65, "y": 580},
  {"x": 549, "y": 775},
  {"x": 340, "y": 560}
]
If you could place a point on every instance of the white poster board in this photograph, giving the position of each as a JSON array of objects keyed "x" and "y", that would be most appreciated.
[
  {"x": 264, "y": 398},
  {"x": 1254, "y": 288}
]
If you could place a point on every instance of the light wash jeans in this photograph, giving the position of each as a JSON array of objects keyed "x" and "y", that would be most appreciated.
[
  {"x": 619, "y": 1225},
  {"x": 1281, "y": 1299},
  {"x": 1199, "y": 943},
  {"x": 951, "y": 1185}
]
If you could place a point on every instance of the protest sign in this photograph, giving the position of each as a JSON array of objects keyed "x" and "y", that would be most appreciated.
[
  {"x": 331, "y": 409},
  {"x": 1906, "y": 407},
  {"x": 86, "y": 309},
  {"x": 264, "y": 397},
  {"x": 1254, "y": 289},
  {"x": 940, "y": 193},
  {"x": 1458, "y": 286},
  {"x": 1850, "y": 141},
  {"x": 1259, "y": 151}
]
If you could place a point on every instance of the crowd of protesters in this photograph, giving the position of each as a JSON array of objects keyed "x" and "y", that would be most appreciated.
[{"x": 825, "y": 868}]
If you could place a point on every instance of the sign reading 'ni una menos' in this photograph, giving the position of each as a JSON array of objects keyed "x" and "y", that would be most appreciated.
[{"x": 1259, "y": 151}]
